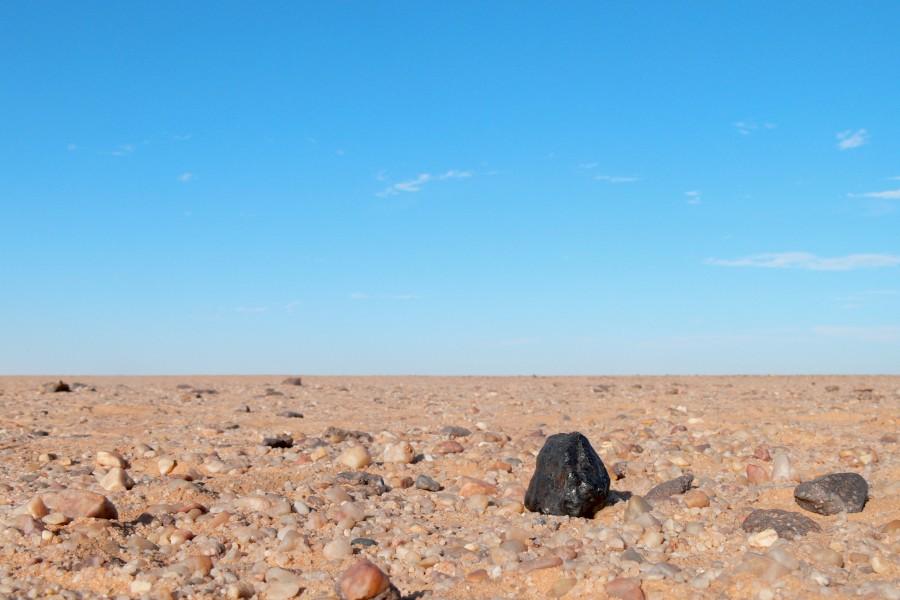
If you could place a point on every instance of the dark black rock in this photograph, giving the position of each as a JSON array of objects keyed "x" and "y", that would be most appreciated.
[
  {"x": 454, "y": 431},
  {"x": 673, "y": 487},
  {"x": 293, "y": 381},
  {"x": 833, "y": 494},
  {"x": 788, "y": 525},
  {"x": 364, "y": 542},
  {"x": 424, "y": 482},
  {"x": 569, "y": 478},
  {"x": 56, "y": 387},
  {"x": 279, "y": 441}
]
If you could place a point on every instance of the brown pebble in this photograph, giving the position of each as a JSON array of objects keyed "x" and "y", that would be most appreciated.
[
  {"x": 757, "y": 474},
  {"x": 696, "y": 499},
  {"x": 625, "y": 588},
  {"x": 363, "y": 581},
  {"x": 476, "y": 576},
  {"x": 472, "y": 487},
  {"x": 448, "y": 447}
]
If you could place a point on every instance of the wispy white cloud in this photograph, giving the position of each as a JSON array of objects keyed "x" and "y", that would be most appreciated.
[
  {"x": 748, "y": 127},
  {"x": 123, "y": 150},
  {"x": 616, "y": 178},
  {"x": 416, "y": 184},
  {"x": 883, "y": 195},
  {"x": 810, "y": 262},
  {"x": 885, "y": 333},
  {"x": 694, "y": 197},
  {"x": 848, "y": 138},
  {"x": 186, "y": 177}
]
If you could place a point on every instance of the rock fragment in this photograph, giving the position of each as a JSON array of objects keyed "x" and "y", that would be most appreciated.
[
  {"x": 788, "y": 525},
  {"x": 365, "y": 581},
  {"x": 569, "y": 478},
  {"x": 282, "y": 440},
  {"x": 833, "y": 494},
  {"x": 666, "y": 489},
  {"x": 80, "y": 503}
]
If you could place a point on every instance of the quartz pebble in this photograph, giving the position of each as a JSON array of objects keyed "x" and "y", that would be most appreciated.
[{"x": 355, "y": 457}]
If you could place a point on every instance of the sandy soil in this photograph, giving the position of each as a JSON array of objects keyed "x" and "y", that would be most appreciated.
[{"x": 236, "y": 518}]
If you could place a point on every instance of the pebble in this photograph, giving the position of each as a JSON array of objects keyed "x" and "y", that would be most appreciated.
[
  {"x": 569, "y": 478},
  {"x": 355, "y": 457},
  {"x": 832, "y": 494},
  {"x": 673, "y": 487},
  {"x": 75, "y": 504},
  {"x": 424, "y": 482},
  {"x": 447, "y": 447},
  {"x": 365, "y": 581},
  {"x": 399, "y": 452},
  {"x": 781, "y": 467},
  {"x": 165, "y": 465},
  {"x": 625, "y": 588},
  {"x": 757, "y": 474},
  {"x": 110, "y": 459},
  {"x": 337, "y": 549},
  {"x": 763, "y": 539},
  {"x": 788, "y": 525},
  {"x": 696, "y": 499},
  {"x": 116, "y": 480},
  {"x": 279, "y": 441}
]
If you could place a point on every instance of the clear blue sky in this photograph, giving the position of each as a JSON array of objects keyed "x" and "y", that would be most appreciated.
[{"x": 449, "y": 187}]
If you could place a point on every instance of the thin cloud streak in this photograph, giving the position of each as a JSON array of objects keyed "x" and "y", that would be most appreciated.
[
  {"x": 883, "y": 195},
  {"x": 616, "y": 178},
  {"x": 849, "y": 139},
  {"x": 809, "y": 262},
  {"x": 416, "y": 184}
]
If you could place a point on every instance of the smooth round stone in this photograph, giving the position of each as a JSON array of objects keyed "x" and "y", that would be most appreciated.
[
  {"x": 400, "y": 452},
  {"x": 833, "y": 494},
  {"x": 364, "y": 581},
  {"x": 696, "y": 499},
  {"x": 337, "y": 549},
  {"x": 355, "y": 457}
]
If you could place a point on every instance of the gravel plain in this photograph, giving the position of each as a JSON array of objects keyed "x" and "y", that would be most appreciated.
[{"x": 271, "y": 487}]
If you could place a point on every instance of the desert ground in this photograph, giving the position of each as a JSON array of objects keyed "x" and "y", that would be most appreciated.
[{"x": 257, "y": 487}]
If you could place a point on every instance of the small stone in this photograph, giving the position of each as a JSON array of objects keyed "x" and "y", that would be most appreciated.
[
  {"x": 696, "y": 499},
  {"x": 56, "y": 518},
  {"x": 476, "y": 576},
  {"x": 757, "y": 474},
  {"x": 666, "y": 489},
  {"x": 763, "y": 539},
  {"x": 826, "y": 556},
  {"x": 199, "y": 563},
  {"x": 788, "y": 525},
  {"x": 290, "y": 414},
  {"x": 473, "y": 487},
  {"x": 293, "y": 381},
  {"x": 282, "y": 584},
  {"x": 365, "y": 581},
  {"x": 447, "y": 447},
  {"x": 781, "y": 467},
  {"x": 544, "y": 562},
  {"x": 569, "y": 478},
  {"x": 368, "y": 483},
  {"x": 110, "y": 459},
  {"x": 278, "y": 441},
  {"x": 56, "y": 387},
  {"x": 454, "y": 431},
  {"x": 165, "y": 465},
  {"x": 36, "y": 508},
  {"x": 625, "y": 588},
  {"x": 832, "y": 494},
  {"x": 635, "y": 507},
  {"x": 116, "y": 480},
  {"x": 355, "y": 457},
  {"x": 400, "y": 452},
  {"x": 424, "y": 482},
  {"x": 140, "y": 586},
  {"x": 891, "y": 526},
  {"x": 879, "y": 564},
  {"x": 79, "y": 503},
  {"x": 337, "y": 549}
]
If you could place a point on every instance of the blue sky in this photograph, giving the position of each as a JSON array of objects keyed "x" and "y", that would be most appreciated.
[{"x": 465, "y": 187}]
